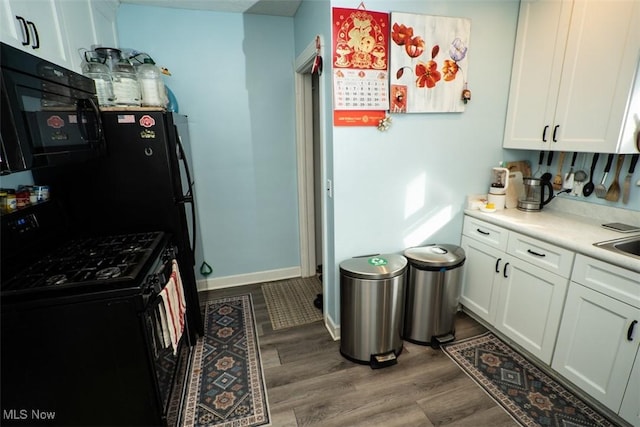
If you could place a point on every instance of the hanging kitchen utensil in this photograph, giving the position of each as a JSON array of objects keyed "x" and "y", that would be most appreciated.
[
  {"x": 626, "y": 187},
  {"x": 557, "y": 180},
  {"x": 580, "y": 177},
  {"x": 613, "y": 193},
  {"x": 600, "y": 189},
  {"x": 569, "y": 176},
  {"x": 540, "y": 160},
  {"x": 547, "y": 175},
  {"x": 589, "y": 186}
]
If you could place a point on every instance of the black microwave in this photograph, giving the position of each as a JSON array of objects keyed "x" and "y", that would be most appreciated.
[{"x": 49, "y": 115}]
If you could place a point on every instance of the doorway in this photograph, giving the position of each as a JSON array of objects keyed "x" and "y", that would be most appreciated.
[{"x": 310, "y": 162}]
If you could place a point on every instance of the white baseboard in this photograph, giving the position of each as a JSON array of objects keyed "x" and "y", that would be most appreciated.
[
  {"x": 248, "y": 279},
  {"x": 334, "y": 330}
]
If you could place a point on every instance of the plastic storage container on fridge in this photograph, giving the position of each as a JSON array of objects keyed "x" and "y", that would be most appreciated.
[
  {"x": 371, "y": 308},
  {"x": 433, "y": 290},
  {"x": 125, "y": 84},
  {"x": 151, "y": 84},
  {"x": 101, "y": 76}
]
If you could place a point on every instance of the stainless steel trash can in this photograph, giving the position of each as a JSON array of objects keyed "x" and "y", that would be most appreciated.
[
  {"x": 371, "y": 308},
  {"x": 433, "y": 291}
]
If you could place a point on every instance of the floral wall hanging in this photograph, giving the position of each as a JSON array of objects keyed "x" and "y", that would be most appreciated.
[{"x": 429, "y": 63}]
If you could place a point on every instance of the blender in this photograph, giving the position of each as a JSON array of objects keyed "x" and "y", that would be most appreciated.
[{"x": 498, "y": 188}]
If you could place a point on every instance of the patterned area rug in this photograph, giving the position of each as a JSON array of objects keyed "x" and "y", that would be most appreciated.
[
  {"x": 226, "y": 385},
  {"x": 290, "y": 302},
  {"x": 530, "y": 396}
]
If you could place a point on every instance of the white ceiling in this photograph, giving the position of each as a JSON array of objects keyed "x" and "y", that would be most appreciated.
[{"x": 260, "y": 7}]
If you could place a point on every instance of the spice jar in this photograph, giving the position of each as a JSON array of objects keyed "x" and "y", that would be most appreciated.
[
  {"x": 10, "y": 201},
  {"x": 23, "y": 197}
]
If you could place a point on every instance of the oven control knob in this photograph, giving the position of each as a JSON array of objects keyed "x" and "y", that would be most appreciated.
[
  {"x": 153, "y": 282},
  {"x": 168, "y": 255}
]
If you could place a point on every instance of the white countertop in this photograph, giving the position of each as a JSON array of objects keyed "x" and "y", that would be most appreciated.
[{"x": 566, "y": 225}]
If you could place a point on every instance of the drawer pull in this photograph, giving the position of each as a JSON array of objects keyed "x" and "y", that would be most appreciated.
[
  {"x": 486, "y": 233},
  {"x": 632, "y": 326},
  {"x": 498, "y": 265},
  {"x": 504, "y": 272},
  {"x": 536, "y": 253}
]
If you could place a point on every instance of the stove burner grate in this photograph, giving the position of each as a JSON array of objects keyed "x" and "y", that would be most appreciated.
[{"x": 90, "y": 260}]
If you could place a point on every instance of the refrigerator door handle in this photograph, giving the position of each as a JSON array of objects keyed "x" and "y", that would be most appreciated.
[{"x": 188, "y": 198}]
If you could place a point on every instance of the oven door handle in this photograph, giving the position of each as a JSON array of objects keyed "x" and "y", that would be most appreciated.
[{"x": 82, "y": 107}]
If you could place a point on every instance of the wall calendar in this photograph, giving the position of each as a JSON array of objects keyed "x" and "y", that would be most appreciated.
[{"x": 360, "y": 65}]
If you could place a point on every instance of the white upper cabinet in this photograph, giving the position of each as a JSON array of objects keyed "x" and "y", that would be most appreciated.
[
  {"x": 103, "y": 15},
  {"x": 34, "y": 26},
  {"x": 78, "y": 29},
  {"x": 87, "y": 24},
  {"x": 573, "y": 71},
  {"x": 59, "y": 30}
]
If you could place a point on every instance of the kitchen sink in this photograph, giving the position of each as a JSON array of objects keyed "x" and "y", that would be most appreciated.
[{"x": 629, "y": 246}]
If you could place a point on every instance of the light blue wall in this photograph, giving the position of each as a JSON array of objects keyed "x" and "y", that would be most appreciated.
[
  {"x": 232, "y": 75},
  {"x": 407, "y": 186}
]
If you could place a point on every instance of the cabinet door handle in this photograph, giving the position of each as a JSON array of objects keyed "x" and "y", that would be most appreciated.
[
  {"x": 544, "y": 133},
  {"x": 536, "y": 253},
  {"x": 486, "y": 233},
  {"x": 25, "y": 30},
  {"x": 36, "y": 38},
  {"x": 504, "y": 272},
  {"x": 498, "y": 265},
  {"x": 632, "y": 326},
  {"x": 555, "y": 131}
]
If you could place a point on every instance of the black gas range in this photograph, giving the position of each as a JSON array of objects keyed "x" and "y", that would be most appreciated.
[{"x": 82, "y": 332}]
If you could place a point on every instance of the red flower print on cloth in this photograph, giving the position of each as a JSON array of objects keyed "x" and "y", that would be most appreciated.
[
  {"x": 427, "y": 74},
  {"x": 414, "y": 47},
  {"x": 401, "y": 33},
  {"x": 450, "y": 69}
]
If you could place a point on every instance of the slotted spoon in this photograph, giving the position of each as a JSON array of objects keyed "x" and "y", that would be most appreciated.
[{"x": 601, "y": 190}]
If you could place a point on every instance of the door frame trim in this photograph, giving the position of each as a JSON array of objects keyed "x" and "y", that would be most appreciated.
[{"x": 304, "y": 158}]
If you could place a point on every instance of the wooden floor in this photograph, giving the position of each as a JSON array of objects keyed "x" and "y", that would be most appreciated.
[{"x": 309, "y": 383}]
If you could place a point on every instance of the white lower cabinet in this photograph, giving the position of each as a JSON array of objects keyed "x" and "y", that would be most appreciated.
[
  {"x": 599, "y": 336},
  {"x": 530, "y": 306},
  {"x": 511, "y": 281},
  {"x": 481, "y": 271}
]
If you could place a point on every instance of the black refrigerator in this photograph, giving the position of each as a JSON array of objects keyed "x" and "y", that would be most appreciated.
[{"x": 143, "y": 183}]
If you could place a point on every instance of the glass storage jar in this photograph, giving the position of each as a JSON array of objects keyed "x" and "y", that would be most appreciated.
[{"x": 125, "y": 84}]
